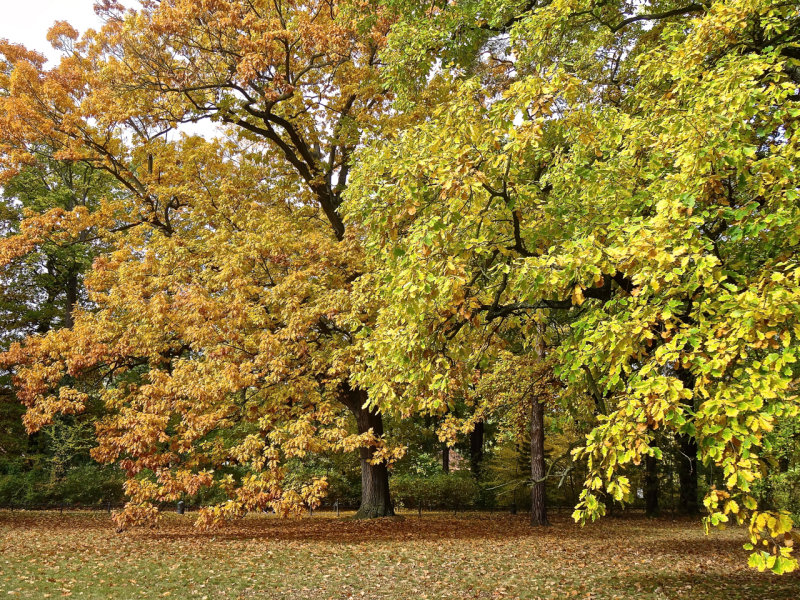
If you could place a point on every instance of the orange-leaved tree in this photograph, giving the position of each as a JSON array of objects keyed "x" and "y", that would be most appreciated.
[{"x": 216, "y": 324}]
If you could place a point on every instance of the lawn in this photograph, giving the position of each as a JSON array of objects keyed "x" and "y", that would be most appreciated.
[{"x": 53, "y": 555}]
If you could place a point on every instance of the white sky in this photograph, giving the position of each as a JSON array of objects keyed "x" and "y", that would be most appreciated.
[{"x": 27, "y": 21}]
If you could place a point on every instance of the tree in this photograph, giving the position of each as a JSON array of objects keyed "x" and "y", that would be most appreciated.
[
  {"x": 634, "y": 168},
  {"x": 233, "y": 265},
  {"x": 42, "y": 285},
  {"x": 302, "y": 80}
]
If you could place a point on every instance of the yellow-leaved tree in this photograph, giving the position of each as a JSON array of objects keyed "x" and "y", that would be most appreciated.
[{"x": 630, "y": 169}]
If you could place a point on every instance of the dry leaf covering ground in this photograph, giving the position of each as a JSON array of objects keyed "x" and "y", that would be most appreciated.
[{"x": 51, "y": 555}]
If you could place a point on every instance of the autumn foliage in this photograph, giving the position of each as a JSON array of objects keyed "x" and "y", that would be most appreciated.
[{"x": 573, "y": 213}]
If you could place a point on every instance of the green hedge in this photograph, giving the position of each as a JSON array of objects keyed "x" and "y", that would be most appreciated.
[
  {"x": 780, "y": 491},
  {"x": 454, "y": 491},
  {"x": 33, "y": 485}
]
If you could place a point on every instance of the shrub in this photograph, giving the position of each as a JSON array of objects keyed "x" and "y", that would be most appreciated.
[
  {"x": 452, "y": 491},
  {"x": 30, "y": 482},
  {"x": 784, "y": 490}
]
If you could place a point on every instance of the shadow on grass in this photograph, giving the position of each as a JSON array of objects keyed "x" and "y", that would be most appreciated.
[{"x": 709, "y": 586}]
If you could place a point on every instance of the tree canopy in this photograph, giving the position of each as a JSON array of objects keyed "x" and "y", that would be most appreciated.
[{"x": 452, "y": 210}]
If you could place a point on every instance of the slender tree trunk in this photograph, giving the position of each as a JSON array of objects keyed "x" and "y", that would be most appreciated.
[
  {"x": 375, "y": 500},
  {"x": 72, "y": 299},
  {"x": 476, "y": 449},
  {"x": 45, "y": 325},
  {"x": 687, "y": 459},
  {"x": 446, "y": 458},
  {"x": 687, "y": 475},
  {"x": 538, "y": 470},
  {"x": 651, "y": 486}
]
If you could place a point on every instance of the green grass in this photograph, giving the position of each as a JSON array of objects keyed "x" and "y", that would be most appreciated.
[{"x": 50, "y": 555}]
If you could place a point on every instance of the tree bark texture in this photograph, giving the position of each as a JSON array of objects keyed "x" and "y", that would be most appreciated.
[
  {"x": 375, "y": 498},
  {"x": 538, "y": 468}
]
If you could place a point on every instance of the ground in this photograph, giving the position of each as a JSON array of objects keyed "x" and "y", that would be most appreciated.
[{"x": 78, "y": 554}]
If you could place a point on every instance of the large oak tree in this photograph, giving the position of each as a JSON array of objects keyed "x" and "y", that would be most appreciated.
[{"x": 233, "y": 265}]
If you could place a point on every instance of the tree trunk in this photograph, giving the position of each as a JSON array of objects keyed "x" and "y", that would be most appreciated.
[
  {"x": 72, "y": 299},
  {"x": 651, "y": 486},
  {"x": 375, "y": 500},
  {"x": 476, "y": 449},
  {"x": 687, "y": 458},
  {"x": 538, "y": 470},
  {"x": 687, "y": 475},
  {"x": 446, "y": 458}
]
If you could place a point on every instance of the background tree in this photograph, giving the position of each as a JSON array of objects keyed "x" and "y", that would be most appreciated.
[{"x": 40, "y": 290}]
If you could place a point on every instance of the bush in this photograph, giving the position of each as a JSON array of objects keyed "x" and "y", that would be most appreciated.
[
  {"x": 341, "y": 470},
  {"x": 90, "y": 484},
  {"x": 781, "y": 491},
  {"x": 452, "y": 491},
  {"x": 30, "y": 483}
]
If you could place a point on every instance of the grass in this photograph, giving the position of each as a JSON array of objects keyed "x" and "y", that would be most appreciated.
[{"x": 52, "y": 555}]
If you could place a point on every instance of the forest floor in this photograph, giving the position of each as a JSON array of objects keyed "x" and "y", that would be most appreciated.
[{"x": 474, "y": 555}]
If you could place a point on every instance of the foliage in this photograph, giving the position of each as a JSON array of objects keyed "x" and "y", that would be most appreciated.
[
  {"x": 42, "y": 281},
  {"x": 40, "y": 288},
  {"x": 509, "y": 473},
  {"x": 30, "y": 483},
  {"x": 54, "y": 467},
  {"x": 455, "y": 491},
  {"x": 781, "y": 491},
  {"x": 630, "y": 172},
  {"x": 786, "y": 491},
  {"x": 340, "y": 471}
]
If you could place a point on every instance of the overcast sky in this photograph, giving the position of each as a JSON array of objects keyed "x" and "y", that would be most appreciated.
[{"x": 27, "y": 21}]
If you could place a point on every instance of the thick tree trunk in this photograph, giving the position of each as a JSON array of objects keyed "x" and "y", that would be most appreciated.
[
  {"x": 446, "y": 458},
  {"x": 651, "y": 486},
  {"x": 538, "y": 470},
  {"x": 476, "y": 449},
  {"x": 375, "y": 500}
]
